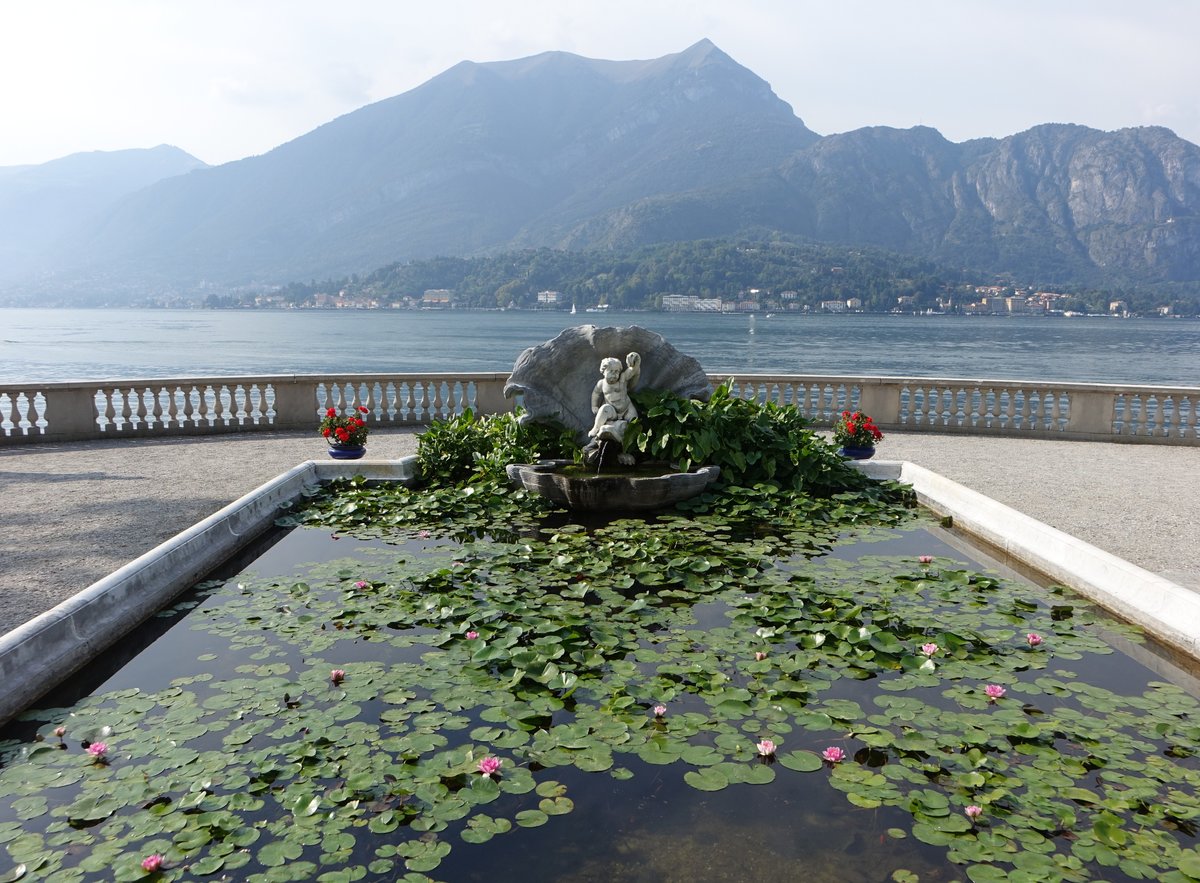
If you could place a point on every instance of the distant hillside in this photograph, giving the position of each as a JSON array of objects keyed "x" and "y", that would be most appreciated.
[
  {"x": 566, "y": 152},
  {"x": 44, "y": 205}
]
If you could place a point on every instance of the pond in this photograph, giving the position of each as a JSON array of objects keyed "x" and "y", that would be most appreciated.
[{"x": 834, "y": 692}]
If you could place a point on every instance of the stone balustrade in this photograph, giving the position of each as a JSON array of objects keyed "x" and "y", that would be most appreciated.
[{"x": 72, "y": 411}]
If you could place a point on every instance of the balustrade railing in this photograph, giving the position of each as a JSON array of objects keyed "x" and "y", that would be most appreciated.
[{"x": 41, "y": 412}]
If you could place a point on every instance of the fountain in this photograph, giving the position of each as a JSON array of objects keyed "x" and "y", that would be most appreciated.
[{"x": 557, "y": 384}]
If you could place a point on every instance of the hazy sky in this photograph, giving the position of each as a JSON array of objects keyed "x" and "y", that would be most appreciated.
[{"x": 224, "y": 79}]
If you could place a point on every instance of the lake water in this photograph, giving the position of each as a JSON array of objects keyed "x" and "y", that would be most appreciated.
[{"x": 48, "y": 345}]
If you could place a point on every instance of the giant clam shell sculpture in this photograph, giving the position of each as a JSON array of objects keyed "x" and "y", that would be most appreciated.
[{"x": 556, "y": 378}]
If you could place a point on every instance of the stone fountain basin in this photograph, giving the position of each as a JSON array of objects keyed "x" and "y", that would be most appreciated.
[{"x": 597, "y": 493}]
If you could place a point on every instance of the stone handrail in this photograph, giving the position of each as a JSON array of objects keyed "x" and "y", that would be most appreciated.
[
  {"x": 1017, "y": 408},
  {"x": 139, "y": 408},
  {"x": 106, "y": 409}
]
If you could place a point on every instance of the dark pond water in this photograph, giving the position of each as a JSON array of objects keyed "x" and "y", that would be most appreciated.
[{"x": 304, "y": 606}]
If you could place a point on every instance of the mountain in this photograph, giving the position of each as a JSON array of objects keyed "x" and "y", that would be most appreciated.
[
  {"x": 480, "y": 156},
  {"x": 1056, "y": 203},
  {"x": 568, "y": 152},
  {"x": 41, "y": 205}
]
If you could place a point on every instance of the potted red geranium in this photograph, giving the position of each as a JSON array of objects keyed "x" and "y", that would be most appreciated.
[
  {"x": 345, "y": 433},
  {"x": 857, "y": 435}
]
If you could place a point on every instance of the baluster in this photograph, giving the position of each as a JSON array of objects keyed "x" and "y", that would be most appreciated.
[
  {"x": 1026, "y": 411},
  {"x": 254, "y": 409},
  {"x": 30, "y": 422},
  {"x": 387, "y": 402},
  {"x": 438, "y": 406},
  {"x": 126, "y": 409},
  {"x": 410, "y": 403},
  {"x": 208, "y": 401},
  {"x": 171, "y": 415},
  {"x": 191, "y": 405},
  {"x": 156, "y": 410},
  {"x": 452, "y": 388},
  {"x": 423, "y": 403},
  {"x": 1136, "y": 415},
  {"x": 138, "y": 410}
]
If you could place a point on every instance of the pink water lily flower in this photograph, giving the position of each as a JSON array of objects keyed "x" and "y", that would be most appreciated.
[
  {"x": 973, "y": 812},
  {"x": 337, "y": 675},
  {"x": 152, "y": 863},
  {"x": 60, "y": 731},
  {"x": 994, "y": 691},
  {"x": 424, "y": 534},
  {"x": 1033, "y": 639},
  {"x": 926, "y": 559},
  {"x": 759, "y": 656},
  {"x": 362, "y": 584},
  {"x": 929, "y": 649},
  {"x": 660, "y": 710},
  {"x": 472, "y": 635},
  {"x": 765, "y": 748},
  {"x": 489, "y": 765},
  {"x": 833, "y": 754},
  {"x": 98, "y": 750}
]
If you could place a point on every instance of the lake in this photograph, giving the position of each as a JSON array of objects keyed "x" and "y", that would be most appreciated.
[{"x": 50, "y": 345}]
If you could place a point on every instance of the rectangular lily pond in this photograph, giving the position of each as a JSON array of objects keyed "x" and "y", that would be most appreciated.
[{"x": 758, "y": 687}]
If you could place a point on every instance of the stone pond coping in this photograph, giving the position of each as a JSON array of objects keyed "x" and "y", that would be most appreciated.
[{"x": 45, "y": 651}]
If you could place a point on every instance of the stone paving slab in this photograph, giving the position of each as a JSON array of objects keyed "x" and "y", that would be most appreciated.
[{"x": 70, "y": 514}]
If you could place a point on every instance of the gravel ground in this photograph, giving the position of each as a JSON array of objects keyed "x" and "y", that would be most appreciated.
[{"x": 71, "y": 514}]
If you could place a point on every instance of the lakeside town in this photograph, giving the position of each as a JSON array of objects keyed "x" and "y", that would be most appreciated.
[{"x": 982, "y": 300}]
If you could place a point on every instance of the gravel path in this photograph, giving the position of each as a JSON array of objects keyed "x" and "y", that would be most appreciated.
[{"x": 73, "y": 513}]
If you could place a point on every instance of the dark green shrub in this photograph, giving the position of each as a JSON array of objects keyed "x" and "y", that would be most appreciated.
[
  {"x": 751, "y": 442},
  {"x": 474, "y": 449}
]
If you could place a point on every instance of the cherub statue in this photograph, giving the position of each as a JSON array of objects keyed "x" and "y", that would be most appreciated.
[{"x": 611, "y": 402}]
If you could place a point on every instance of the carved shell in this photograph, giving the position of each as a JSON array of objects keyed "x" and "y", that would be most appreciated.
[{"x": 556, "y": 378}]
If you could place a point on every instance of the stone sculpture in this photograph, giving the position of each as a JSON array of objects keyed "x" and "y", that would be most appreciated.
[
  {"x": 612, "y": 405},
  {"x": 556, "y": 379}
]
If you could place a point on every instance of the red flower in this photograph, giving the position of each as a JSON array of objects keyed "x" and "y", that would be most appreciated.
[
  {"x": 364, "y": 410},
  {"x": 342, "y": 433},
  {"x": 332, "y": 412},
  {"x": 325, "y": 432}
]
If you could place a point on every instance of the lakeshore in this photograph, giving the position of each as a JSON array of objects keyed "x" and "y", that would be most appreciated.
[{"x": 73, "y": 513}]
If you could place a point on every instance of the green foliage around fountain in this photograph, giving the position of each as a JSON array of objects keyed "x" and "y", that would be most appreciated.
[
  {"x": 752, "y": 442},
  {"x": 476, "y": 449}
]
